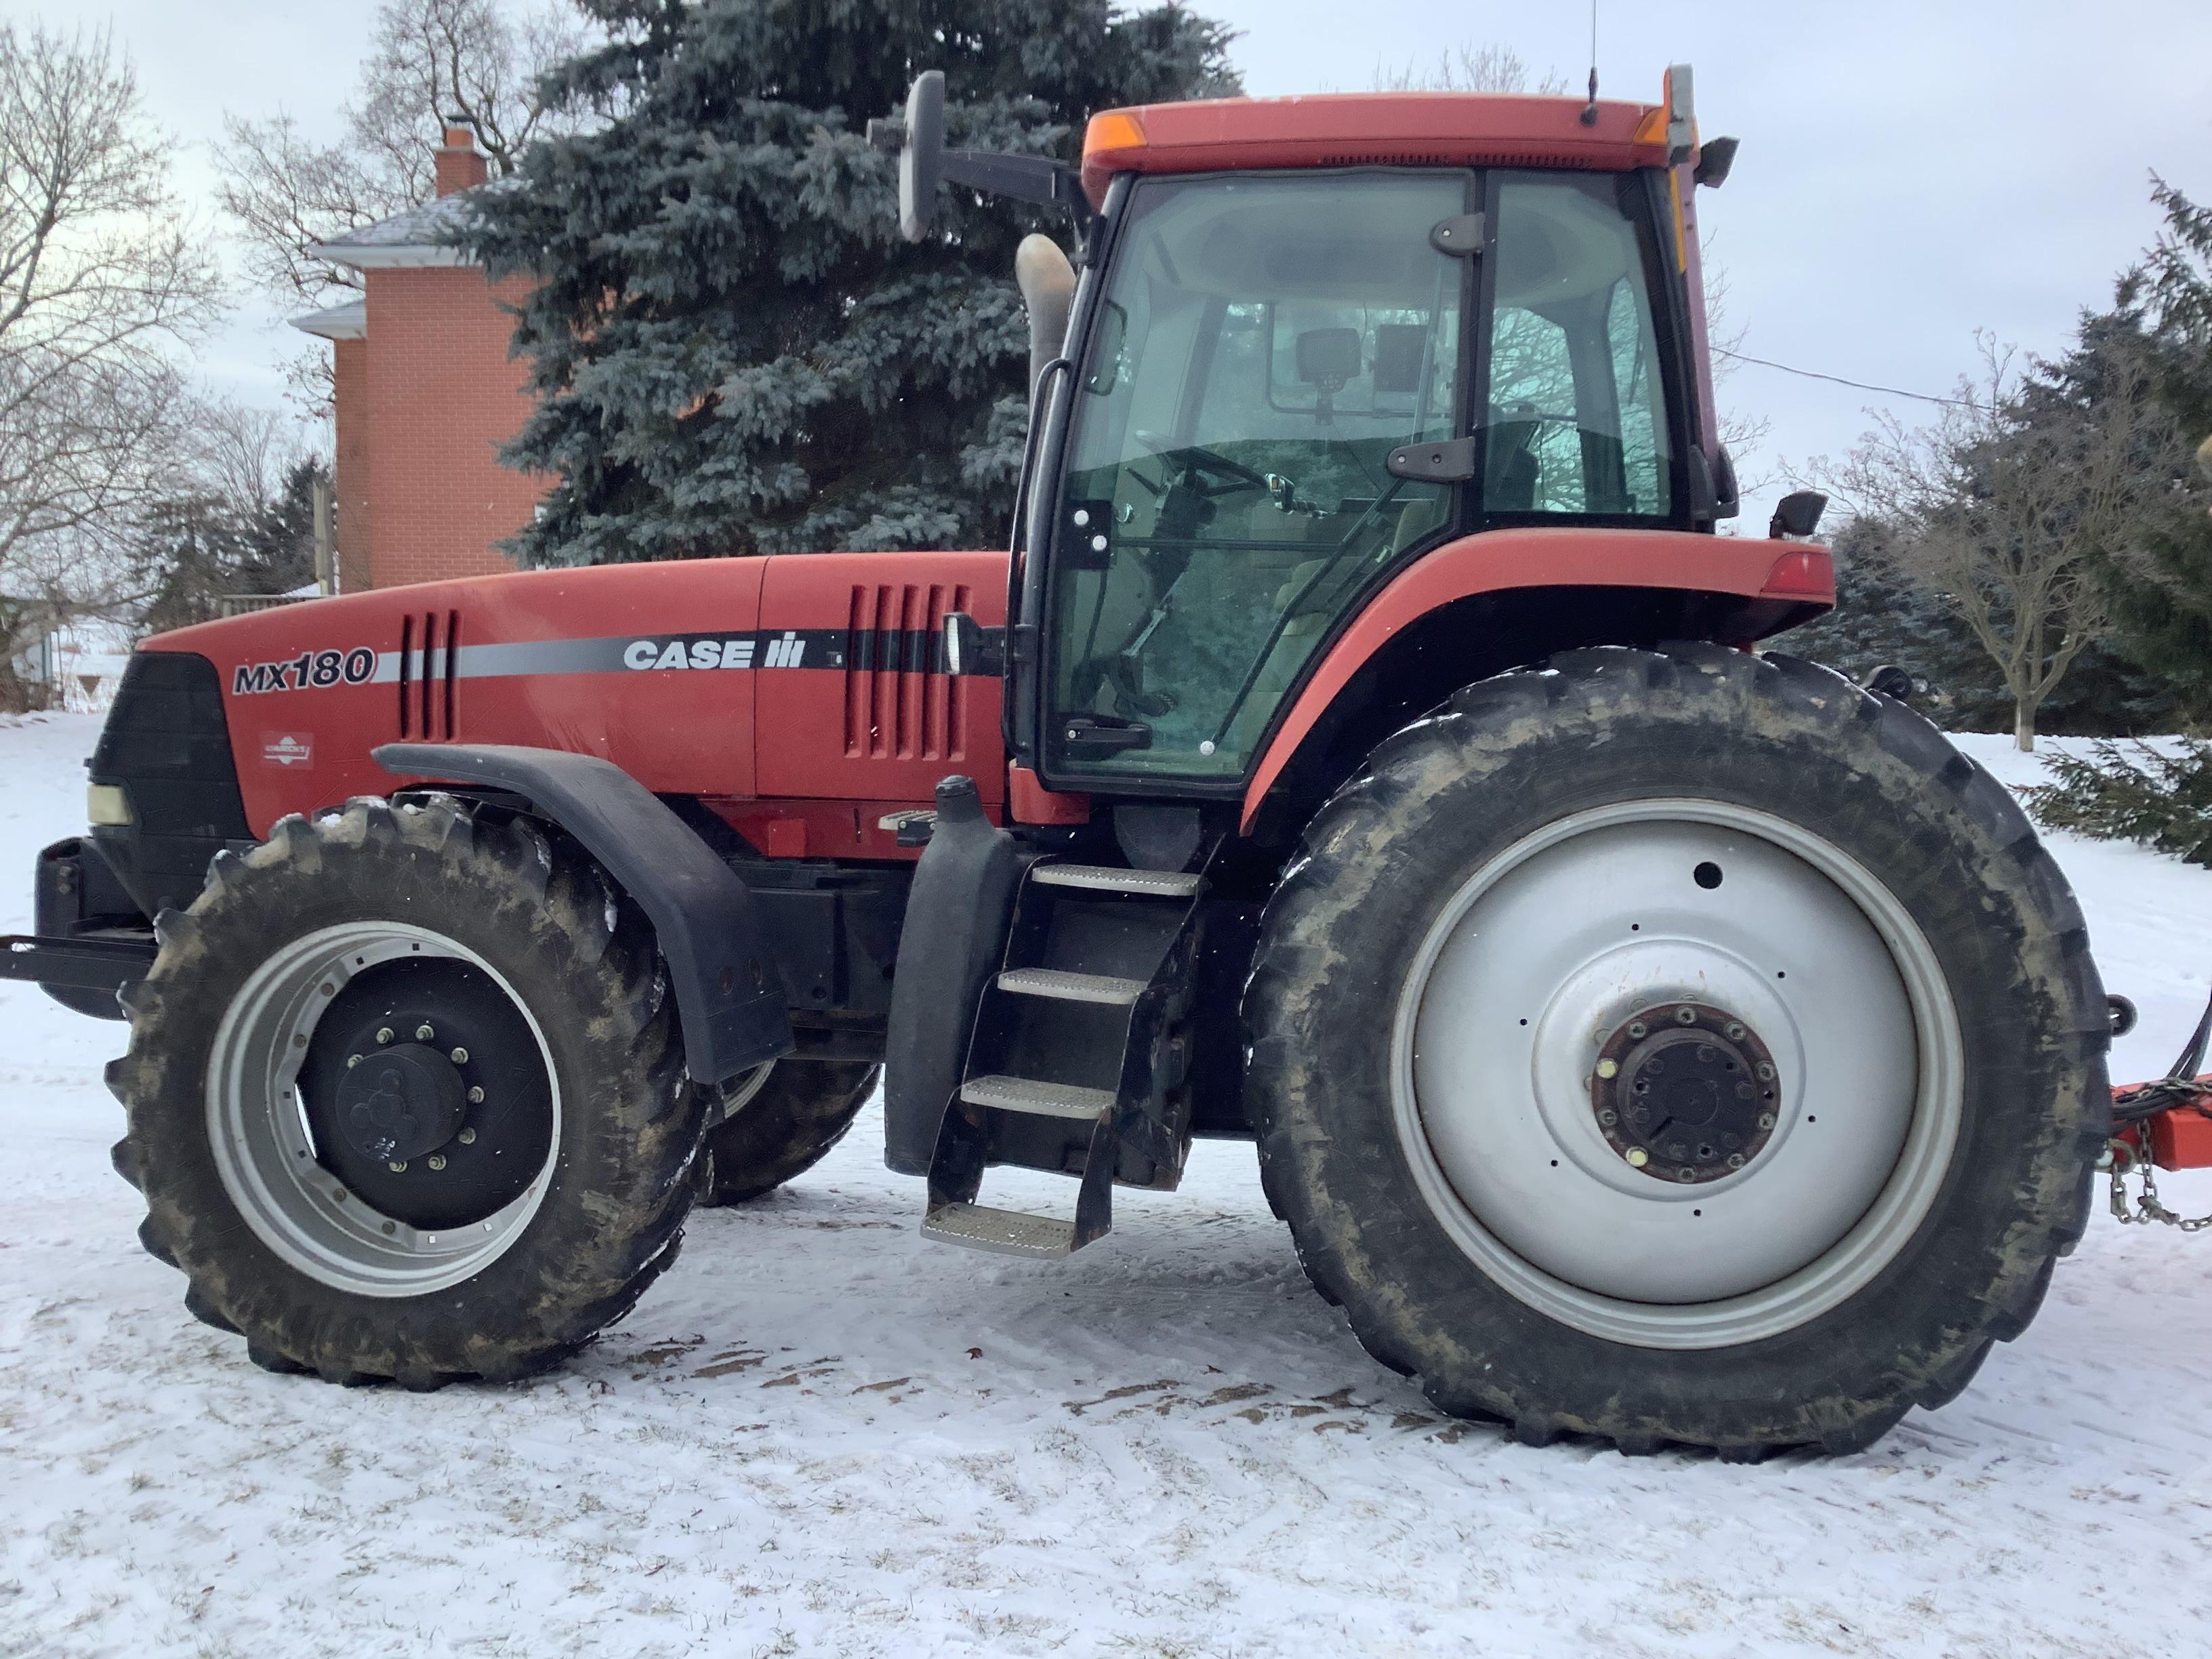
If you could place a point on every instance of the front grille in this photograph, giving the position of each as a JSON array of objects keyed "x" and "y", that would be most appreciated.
[
  {"x": 429, "y": 676},
  {"x": 899, "y": 699},
  {"x": 167, "y": 743}
]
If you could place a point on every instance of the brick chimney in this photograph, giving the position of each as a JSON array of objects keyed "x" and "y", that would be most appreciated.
[{"x": 461, "y": 165}]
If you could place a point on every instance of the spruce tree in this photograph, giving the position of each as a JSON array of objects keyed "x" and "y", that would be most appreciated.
[
  {"x": 2161, "y": 594},
  {"x": 2158, "y": 797},
  {"x": 1880, "y": 618},
  {"x": 731, "y": 349}
]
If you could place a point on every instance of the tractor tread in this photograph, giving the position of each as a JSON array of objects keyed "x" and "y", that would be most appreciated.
[{"x": 1763, "y": 694}]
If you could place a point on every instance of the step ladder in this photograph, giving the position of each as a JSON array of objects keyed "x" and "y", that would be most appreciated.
[{"x": 1079, "y": 1057}]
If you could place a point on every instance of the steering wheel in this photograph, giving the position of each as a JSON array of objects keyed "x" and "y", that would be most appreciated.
[{"x": 1197, "y": 462}]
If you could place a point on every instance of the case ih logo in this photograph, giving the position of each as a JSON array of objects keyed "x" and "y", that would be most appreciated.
[
  {"x": 786, "y": 650},
  {"x": 288, "y": 749}
]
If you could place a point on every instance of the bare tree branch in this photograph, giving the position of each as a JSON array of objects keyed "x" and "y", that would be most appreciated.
[
  {"x": 103, "y": 279},
  {"x": 431, "y": 59},
  {"x": 1470, "y": 68},
  {"x": 2000, "y": 506}
]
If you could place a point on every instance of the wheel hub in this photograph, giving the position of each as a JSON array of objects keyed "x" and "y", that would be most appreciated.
[
  {"x": 401, "y": 1102},
  {"x": 424, "y": 1093},
  {"x": 1686, "y": 1093}
]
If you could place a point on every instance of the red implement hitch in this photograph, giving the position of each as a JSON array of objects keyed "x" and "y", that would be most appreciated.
[{"x": 2165, "y": 1124}]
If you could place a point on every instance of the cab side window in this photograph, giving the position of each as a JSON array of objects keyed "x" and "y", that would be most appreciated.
[{"x": 1577, "y": 420}]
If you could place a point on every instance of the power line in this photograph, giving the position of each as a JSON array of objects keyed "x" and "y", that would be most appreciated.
[{"x": 1839, "y": 379}]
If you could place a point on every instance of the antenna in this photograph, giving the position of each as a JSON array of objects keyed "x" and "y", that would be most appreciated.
[{"x": 1589, "y": 110}]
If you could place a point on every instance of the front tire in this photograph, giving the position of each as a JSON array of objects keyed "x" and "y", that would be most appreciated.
[
  {"x": 783, "y": 1119},
  {"x": 406, "y": 1098},
  {"x": 1678, "y": 1048}
]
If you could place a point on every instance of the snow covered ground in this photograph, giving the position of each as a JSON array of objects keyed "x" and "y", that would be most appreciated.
[{"x": 816, "y": 1435}]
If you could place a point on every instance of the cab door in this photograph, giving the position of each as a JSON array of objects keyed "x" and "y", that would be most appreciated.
[{"x": 1260, "y": 347}]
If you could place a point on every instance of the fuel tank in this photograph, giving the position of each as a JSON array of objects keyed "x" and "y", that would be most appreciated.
[{"x": 801, "y": 697}]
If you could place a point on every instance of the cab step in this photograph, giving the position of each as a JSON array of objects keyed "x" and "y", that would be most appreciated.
[
  {"x": 1105, "y": 879},
  {"x": 1039, "y": 1098},
  {"x": 1007, "y": 1232},
  {"x": 1063, "y": 986},
  {"x": 1076, "y": 1059}
]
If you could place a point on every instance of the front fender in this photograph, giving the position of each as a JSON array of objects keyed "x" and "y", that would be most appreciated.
[
  {"x": 727, "y": 991},
  {"x": 1780, "y": 583}
]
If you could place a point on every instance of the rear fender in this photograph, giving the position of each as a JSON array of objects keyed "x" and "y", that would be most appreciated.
[
  {"x": 1763, "y": 587},
  {"x": 728, "y": 993}
]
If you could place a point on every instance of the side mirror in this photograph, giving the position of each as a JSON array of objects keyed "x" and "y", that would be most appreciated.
[
  {"x": 1798, "y": 513},
  {"x": 919, "y": 139},
  {"x": 1715, "y": 157}
]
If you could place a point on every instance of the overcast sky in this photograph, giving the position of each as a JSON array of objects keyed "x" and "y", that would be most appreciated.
[{"x": 1911, "y": 171}]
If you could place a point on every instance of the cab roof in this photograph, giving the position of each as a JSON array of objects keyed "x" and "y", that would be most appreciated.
[{"x": 1384, "y": 129}]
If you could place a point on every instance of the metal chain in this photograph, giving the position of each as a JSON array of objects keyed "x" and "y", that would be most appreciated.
[{"x": 2120, "y": 1159}]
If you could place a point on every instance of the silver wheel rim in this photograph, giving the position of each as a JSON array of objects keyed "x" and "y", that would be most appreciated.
[
  {"x": 266, "y": 1157},
  {"x": 742, "y": 1091},
  {"x": 1562, "y": 938}
]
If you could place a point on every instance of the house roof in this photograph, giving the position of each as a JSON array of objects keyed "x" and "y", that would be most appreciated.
[
  {"x": 420, "y": 236},
  {"x": 345, "y": 322}
]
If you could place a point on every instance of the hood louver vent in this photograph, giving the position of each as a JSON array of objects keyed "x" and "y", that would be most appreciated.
[
  {"x": 899, "y": 699},
  {"x": 429, "y": 676}
]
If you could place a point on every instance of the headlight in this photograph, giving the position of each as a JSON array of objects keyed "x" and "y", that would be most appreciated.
[{"x": 107, "y": 804}]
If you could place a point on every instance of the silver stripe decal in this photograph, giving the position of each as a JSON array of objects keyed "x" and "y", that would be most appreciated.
[{"x": 613, "y": 654}]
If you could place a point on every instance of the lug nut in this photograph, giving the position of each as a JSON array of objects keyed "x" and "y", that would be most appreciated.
[
  {"x": 423, "y": 1034},
  {"x": 460, "y": 1056},
  {"x": 1686, "y": 1173},
  {"x": 384, "y": 1036},
  {"x": 1735, "y": 1032},
  {"x": 1609, "y": 1119},
  {"x": 397, "y": 1165},
  {"x": 1609, "y": 1069},
  {"x": 467, "y": 1137},
  {"x": 476, "y": 1094},
  {"x": 1766, "y": 1071},
  {"x": 1766, "y": 1119},
  {"x": 1637, "y": 1028},
  {"x": 437, "y": 1160},
  {"x": 1685, "y": 1017},
  {"x": 1735, "y": 1160},
  {"x": 352, "y": 1060},
  {"x": 1636, "y": 1156}
]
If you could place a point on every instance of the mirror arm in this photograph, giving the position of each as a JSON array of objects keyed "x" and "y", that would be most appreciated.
[{"x": 1025, "y": 178}]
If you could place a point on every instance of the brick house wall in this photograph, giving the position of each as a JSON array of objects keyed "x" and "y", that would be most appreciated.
[
  {"x": 423, "y": 396},
  {"x": 442, "y": 397},
  {"x": 350, "y": 411}
]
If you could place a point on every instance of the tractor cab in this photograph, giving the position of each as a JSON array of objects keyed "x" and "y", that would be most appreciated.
[{"x": 1313, "y": 340}]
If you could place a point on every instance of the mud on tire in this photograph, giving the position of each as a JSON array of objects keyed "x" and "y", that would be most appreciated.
[
  {"x": 1353, "y": 1125},
  {"x": 781, "y": 1124},
  {"x": 596, "y": 1180}
]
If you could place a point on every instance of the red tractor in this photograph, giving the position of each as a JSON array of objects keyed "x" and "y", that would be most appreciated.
[{"x": 1363, "y": 750}]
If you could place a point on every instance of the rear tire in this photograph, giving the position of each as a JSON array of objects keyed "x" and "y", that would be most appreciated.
[
  {"x": 1477, "y": 925},
  {"x": 546, "y": 1182},
  {"x": 782, "y": 1127}
]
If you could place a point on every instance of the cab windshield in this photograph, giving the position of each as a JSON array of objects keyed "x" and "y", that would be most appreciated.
[{"x": 1261, "y": 345}]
